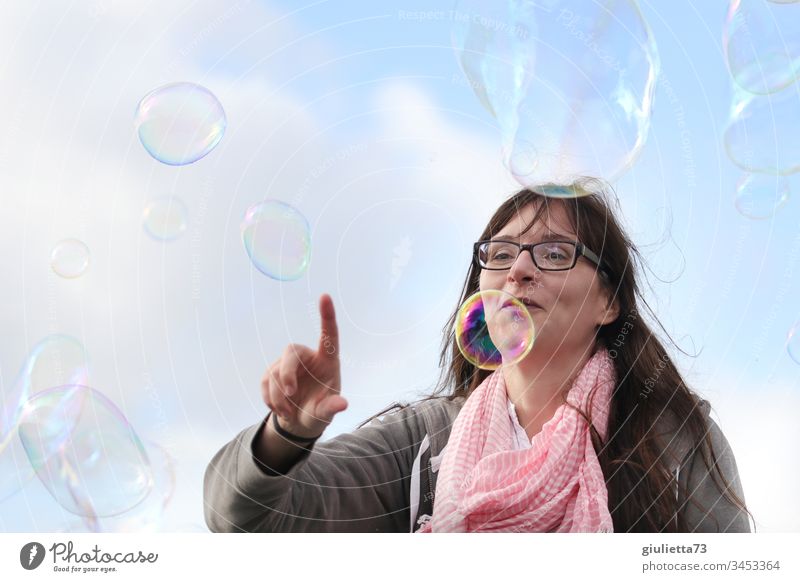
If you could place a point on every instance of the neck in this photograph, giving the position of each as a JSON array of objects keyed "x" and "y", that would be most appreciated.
[{"x": 538, "y": 385}]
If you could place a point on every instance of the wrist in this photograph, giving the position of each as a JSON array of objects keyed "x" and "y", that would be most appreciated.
[{"x": 291, "y": 433}]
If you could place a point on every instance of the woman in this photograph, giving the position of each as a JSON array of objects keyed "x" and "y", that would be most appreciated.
[{"x": 594, "y": 430}]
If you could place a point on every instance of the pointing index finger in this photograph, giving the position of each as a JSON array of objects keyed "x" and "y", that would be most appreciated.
[{"x": 329, "y": 339}]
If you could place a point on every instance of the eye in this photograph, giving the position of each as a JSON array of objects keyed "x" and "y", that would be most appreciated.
[
  {"x": 501, "y": 252},
  {"x": 555, "y": 254}
]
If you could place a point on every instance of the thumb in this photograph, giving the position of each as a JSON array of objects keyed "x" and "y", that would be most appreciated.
[{"x": 330, "y": 406}]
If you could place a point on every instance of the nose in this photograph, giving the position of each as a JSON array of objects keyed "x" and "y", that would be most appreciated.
[{"x": 524, "y": 269}]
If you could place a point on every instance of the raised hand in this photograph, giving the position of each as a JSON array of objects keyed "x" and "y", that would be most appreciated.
[{"x": 303, "y": 386}]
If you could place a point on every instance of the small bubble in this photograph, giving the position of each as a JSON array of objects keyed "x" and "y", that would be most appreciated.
[
  {"x": 759, "y": 196},
  {"x": 180, "y": 123},
  {"x": 165, "y": 218},
  {"x": 277, "y": 239},
  {"x": 69, "y": 258}
]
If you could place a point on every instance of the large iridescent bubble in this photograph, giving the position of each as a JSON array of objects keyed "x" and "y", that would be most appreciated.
[
  {"x": 494, "y": 328},
  {"x": 762, "y": 45},
  {"x": 84, "y": 451},
  {"x": 15, "y": 470},
  {"x": 56, "y": 360},
  {"x": 180, "y": 123},
  {"x": 571, "y": 83},
  {"x": 148, "y": 515},
  {"x": 498, "y": 66},
  {"x": 277, "y": 239},
  {"x": 763, "y": 134}
]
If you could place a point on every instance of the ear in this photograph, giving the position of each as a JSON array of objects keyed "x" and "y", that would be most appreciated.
[{"x": 610, "y": 309}]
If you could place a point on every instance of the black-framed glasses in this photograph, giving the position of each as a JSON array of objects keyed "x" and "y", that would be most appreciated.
[{"x": 556, "y": 255}]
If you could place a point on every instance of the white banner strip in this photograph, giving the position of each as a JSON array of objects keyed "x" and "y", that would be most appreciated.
[{"x": 514, "y": 556}]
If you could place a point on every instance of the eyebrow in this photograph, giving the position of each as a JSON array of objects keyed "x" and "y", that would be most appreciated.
[{"x": 545, "y": 237}]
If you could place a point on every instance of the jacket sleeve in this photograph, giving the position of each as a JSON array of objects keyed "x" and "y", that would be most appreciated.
[
  {"x": 718, "y": 514},
  {"x": 354, "y": 482}
]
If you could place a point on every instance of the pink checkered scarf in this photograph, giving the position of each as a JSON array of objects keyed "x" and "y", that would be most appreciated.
[{"x": 554, "y": 486}]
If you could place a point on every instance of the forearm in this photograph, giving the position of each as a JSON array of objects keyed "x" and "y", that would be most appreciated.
[
  {"x": 355, "y": 481},
  {"x": 275, "y": 451}
]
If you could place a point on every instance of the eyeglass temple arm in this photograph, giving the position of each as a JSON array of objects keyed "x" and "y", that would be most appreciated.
[{"x": 590, "y": 255}]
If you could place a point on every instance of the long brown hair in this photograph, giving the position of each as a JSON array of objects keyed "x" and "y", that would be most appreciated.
[{"x": 649, "y": 387}]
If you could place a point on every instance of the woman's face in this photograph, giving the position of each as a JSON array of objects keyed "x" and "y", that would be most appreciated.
[{"x": 569, "y": 305}]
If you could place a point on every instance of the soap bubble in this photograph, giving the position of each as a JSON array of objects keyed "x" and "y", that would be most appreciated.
[
  {"x": 523, "y": 160},
  {"x": 759, "y": 196},
  {"x": 180, "y": 123},
  {"x": 84, "y": 451},
  {"x": 69, "y": 258},
  {"x": 15, "y": 469},
  {"x": 762, "y": 45},
  {"x": 148, "y": 515},
  {"x": 571, "y": 83},
  {"x": 277, "y": 239},
  {"x": 495, "y": 43},
  {"x": 165, "y": 218},
  {"x": 793, "y": 342},
  {"x": 763, "y": 134},
  {"x": 562, "y": 190},
  {"x": 56, "y": 360},
  {"x": 494, "y": 328}
]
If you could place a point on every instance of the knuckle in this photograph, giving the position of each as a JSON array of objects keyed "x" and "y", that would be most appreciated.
[{"x": 286, "y": 381}]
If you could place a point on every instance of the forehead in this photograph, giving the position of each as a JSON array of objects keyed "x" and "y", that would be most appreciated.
[{"x": 553, "y": 219}]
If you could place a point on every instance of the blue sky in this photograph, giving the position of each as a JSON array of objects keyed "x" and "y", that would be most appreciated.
[{"x": 358, "y": 115}]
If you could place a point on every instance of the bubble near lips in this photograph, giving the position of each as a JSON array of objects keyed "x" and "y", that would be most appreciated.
[{"x": 494, "y": 328}]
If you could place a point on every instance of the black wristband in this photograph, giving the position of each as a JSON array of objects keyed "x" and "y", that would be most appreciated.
[{"x": 287, "y": 434}]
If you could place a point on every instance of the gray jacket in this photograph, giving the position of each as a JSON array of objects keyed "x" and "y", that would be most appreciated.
[{"x": 382, "y": 478}]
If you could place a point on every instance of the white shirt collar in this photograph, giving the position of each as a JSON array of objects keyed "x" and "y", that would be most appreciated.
[{"x": 522, "y": 440}]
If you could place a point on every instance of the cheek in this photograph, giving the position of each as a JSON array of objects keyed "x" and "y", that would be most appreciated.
[
  {"x": 575, "y": 295},
  {"x": 485, "y": 282}
]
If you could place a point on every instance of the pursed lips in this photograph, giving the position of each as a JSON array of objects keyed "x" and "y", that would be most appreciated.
[{"x": 529, "y": 303}]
